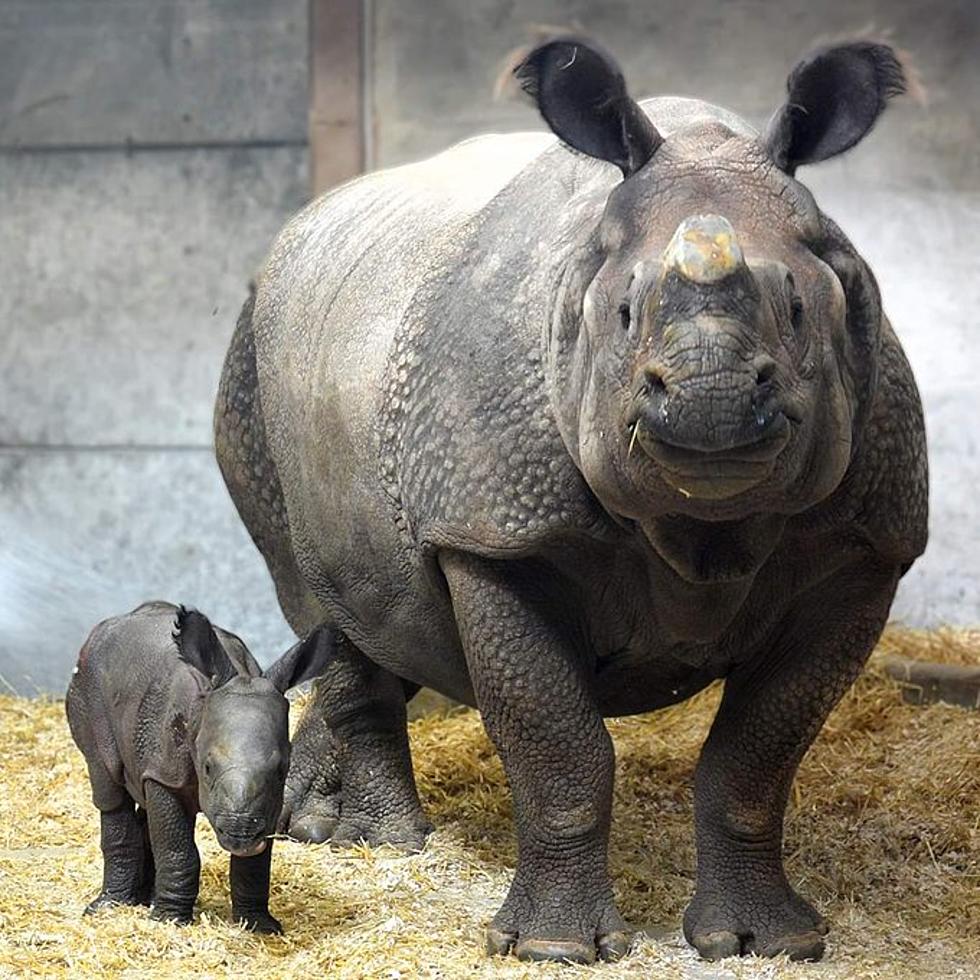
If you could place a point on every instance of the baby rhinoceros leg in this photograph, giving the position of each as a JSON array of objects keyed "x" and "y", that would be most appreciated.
[
  {"x": 127, "y": 871},
  {"x": 177, "y": 862},
  {"x": 250, "y": 892}
]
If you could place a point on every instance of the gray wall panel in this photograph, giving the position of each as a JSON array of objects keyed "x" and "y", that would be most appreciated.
[
  {"x": 85, "y": 535},
  {"x": 152, "y": 71},
  {"x": 121, "y": 277},
  {"x": 736, "y": 54}
]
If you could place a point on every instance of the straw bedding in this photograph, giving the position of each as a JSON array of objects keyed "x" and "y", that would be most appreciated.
[{"x": 883, "y": 835}]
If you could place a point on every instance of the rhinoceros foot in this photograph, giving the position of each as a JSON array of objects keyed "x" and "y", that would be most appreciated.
[
  {"x": 746, "y": 920},
  {"x": 315, "y": 819},
  {"x": 406, "y": 832},
  {"x": 580, "y": 932},
  {"x": 318, "y": 819},
  {"x": 105, "y": 900}
]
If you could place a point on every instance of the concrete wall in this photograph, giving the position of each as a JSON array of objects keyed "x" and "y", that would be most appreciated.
[{"x": 149, "y": 149}]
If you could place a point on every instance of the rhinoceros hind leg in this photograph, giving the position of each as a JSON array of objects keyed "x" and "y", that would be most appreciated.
[
  {"x": 311, "y": 801},
  {"x": 382, "y": 807},
  {"x": 124, "y": 871},
  {"x": 353, "y": 773}
]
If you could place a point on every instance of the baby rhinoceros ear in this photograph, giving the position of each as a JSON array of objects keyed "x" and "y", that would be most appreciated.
[
  {"x": 199, "y": 647},
  {"x": 834, "y": 96},
  {"x": 304, "y": 661}
]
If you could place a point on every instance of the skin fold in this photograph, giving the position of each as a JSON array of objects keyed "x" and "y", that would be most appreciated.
[{"x": 567, "y": 429}]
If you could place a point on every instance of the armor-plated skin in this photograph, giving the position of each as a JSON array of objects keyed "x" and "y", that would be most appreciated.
[
  {"x": 481, "y": 418},
  {"x": 175, "y": 717}
]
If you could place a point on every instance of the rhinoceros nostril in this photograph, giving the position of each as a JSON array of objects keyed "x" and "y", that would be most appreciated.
[
  {"x": 237, "y": 824},
  {"x": 765, "y": 372},
  {"x": 653, "y": 381}
]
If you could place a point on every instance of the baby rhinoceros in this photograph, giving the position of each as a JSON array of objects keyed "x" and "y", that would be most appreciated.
[{"x": 175, "y": 717}]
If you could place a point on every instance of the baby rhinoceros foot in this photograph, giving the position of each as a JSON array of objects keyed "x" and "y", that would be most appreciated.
[
  {"x": 260, "y": 922},
  {"x": 761, "y": 922},
  {"x": 107, "y": 900},
  {"x": 169, "y": 913},
  {"x": 535, "y": 928}
]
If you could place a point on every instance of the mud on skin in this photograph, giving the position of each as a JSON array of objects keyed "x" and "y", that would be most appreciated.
[
  {"x": 566, "y": 429},
  {"x": 175, "y": 717}
]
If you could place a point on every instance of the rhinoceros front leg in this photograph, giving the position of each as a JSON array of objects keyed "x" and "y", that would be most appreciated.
[
  {"x": 250, "y": 879},
  {"x": 772, "y": 710},
  {"x": 540, "y": 713},
  {"x": 178, "y": 864}
]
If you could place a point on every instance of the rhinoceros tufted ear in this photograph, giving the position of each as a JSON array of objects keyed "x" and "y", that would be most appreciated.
[
  {"x": 835, "y": 96},
  {"x": 580, "y": 92},
  {"x": 304, "y": 661},
  {"x": 199, "y": 647}
]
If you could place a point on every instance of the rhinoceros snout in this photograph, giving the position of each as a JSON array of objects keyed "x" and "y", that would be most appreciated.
[
  {"x": 242, "y": 833},
  {"x": 737, "y": 412}
]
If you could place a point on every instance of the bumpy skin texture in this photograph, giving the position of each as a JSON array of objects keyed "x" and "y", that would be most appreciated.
[
  {"x": 134, "y": 708},
  {"x": 434, "y": 378}
]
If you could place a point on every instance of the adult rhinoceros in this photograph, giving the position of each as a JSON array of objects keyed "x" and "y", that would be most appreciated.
[{"x": 567, "y": 435}]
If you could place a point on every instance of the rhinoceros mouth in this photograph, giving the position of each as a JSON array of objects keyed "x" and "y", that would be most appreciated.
[
  {"x": 695, "y": 458},
  {"x": 711, "y": 474},
  {"x": 242, "y": 847}
]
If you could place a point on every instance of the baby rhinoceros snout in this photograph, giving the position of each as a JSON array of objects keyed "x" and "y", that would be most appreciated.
[
  {"x": 243, "y": 809},
  {"x": 242, "y": 834}
]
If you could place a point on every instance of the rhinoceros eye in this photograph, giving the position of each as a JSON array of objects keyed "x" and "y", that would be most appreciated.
[
  {"x": 626, "y": 307},
  {"x": 796, "y": 313},
  {"x": 624, "y": 314},
  {"x": 795, "y": 303}
]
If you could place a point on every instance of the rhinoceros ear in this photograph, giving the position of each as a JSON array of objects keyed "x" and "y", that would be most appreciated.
[
  {"x": 580, "y": 92},
  {"x": 198, "y": 646},
  {"x": 835, "y": 96},
  {"x": 303, "y": 661}
]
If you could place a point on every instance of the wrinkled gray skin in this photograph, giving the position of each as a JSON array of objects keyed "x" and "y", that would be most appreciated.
[
  {"x": 476, "y": 423},
  {"x": 175, "y": 717}
]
